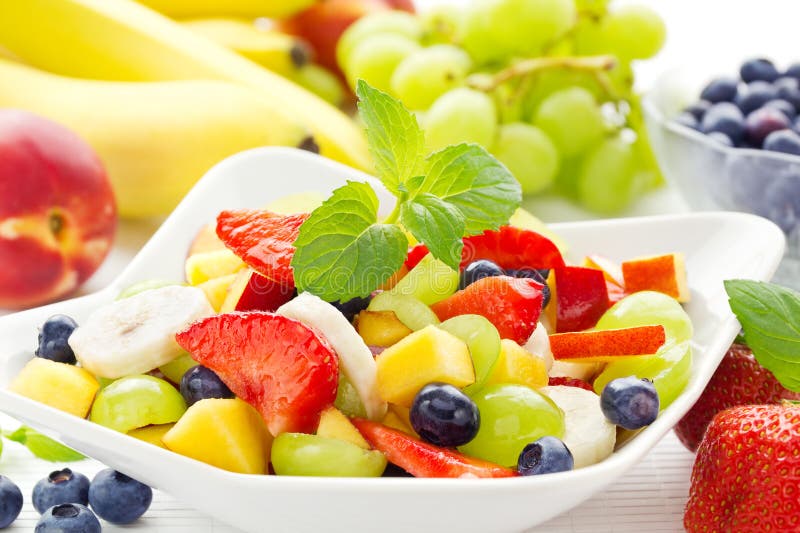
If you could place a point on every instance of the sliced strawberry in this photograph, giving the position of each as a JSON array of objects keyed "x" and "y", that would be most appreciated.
[
  {"x": 421, "y": 459},
  {"x": 276, "y": 364},
  {"x": 264, "y": 240},
  {"x": 512, "y": 305},
  {"x": 569, "y": 382},
  {"x": 415, "y": 255},
  {"x": 581, "y": 297}
]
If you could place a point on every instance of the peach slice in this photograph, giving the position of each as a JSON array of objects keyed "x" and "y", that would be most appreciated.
[
  {"x": 607, "y": 345},
  {"x": 663, "y": 273}
]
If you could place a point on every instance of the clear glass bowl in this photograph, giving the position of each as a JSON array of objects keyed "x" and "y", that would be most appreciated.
[{"x": 711, "y": 176}]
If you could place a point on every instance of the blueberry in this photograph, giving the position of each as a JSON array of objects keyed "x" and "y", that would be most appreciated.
[
  {"x": 201, "y": 383},
  {"x": 762, "y": 122},
  {"x": 725, "y": 118},
  {"x": 630, "y": 402},
  {"x": 698, "y": 109},
  {"x": 351, "y": 308},
  {"x": 720, "y": 138},
  {"x": 53, "y": 337},
  {"x": 546, "y": 455},
  {"x": 783, "y": 106},
  {"x": 118, "y": 498},
  {"x": 61, "y": 486},
  {"x": 720, "y": 90},
  {"x": 443, "y": 415},
  {"x": 754, "y": 95},
  {"x": 10, "y": 502},
  {"x": 539, "y": 275},
  {"x": 785, "y": 141},
  {"x": 793, "y": 71},
  {"x": 482, "y": 268},
  {"x": 68, "y": 518},
  {"x": 788, "y": 89},
  {"x": 758, "y": 69},
  {"x": 689, "y": 120}
]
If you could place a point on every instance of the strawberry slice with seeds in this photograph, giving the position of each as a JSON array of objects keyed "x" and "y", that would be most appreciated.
[
  {"x": 567, "y": 381},
  {"x": 512, "y": 305},
  {"x": 276, "y": 364},
  {"x": 262, "y": 239},
  {"x": 421, "y": 459}
]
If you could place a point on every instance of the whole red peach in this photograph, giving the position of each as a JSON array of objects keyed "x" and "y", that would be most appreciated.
[{"x": 57, "y": 210}]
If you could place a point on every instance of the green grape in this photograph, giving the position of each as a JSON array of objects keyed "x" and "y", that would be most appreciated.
[
  {"x": 483, "y": 342},
  {"x": 529, "y": 154},
  {"x": 588, "y": 37},
  {"x": 670, "y": 367},
  {"x": 572, "y": 119},
  {"x": 348, "y": 400},
  {"x": 592, "y": 7},
  {"x": 634, "y": 32},
  {"x": 460, "y": 115},
  {"x": 606, "y": 182},
  {"x": 378, "y": 23},
  {"x": 566, "y": 182},
  {"x": 441, "y": 24},
  {"x": 146, "y": 285},
  {"x": 498, "y": 29},
  {"x": 375, "y": 58},
  {"x": 429, "y": 281},
  {"x": 426, "y": 74},
  {"x": 175, "y": 369},
  {"x": 321, "y": 82},
  {"x": 512, "y": 416},
  {"x": 414, "y": 314},
  {"x": 137, "y": 401},
  {"x": 299, "y": 454}
]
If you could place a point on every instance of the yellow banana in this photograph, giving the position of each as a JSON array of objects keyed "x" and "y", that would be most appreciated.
[
  {"x": 279, "y": 52},
  {"x": 279, "y": 9},
  {"x": 123, "y": 40},
  {"x": 155, "y": 138}
]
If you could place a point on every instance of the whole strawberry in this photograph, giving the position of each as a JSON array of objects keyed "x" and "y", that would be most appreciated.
[
  {"x": 739, "y": 380},
  {"x": 745, "y": 477}
]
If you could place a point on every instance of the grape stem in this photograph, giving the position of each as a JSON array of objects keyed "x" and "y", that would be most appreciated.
[{"x": 533, "y": 65}]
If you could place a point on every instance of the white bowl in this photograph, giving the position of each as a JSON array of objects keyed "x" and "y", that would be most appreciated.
[{"x": 718, "y": 246}]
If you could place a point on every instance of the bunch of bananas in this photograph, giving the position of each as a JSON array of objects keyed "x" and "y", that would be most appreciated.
[{"x": 161, "y": 101}]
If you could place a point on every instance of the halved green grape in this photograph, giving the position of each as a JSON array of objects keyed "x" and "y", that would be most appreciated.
[
  {"x": 409, "y": 310},
  {"x": 146, "y": 285},
  {"x": 321, "y": 82},
  {"x": 483, "y": 342},
  {"x": 572, "y": 119},
  {"x": 429, "y": 281},
  {"x": 348, "y": 400},
  {"x": 299, "y": 454},
  {"x": 512, "y": 416},
  {"x": 426, "y": 74},
  {"x": 375, "y": 58},
  {"x": 606, "y": 181},
  {"x": 634, "y": 32},
  {"x": 441, "y": 23},
  {"x": 460, "y": 115},
  {"x": 529, "y": 154},
  {"x": 175, "y": 369},
  {"x": 378, "y": 23},
  {"x": 137, "y": 401}
]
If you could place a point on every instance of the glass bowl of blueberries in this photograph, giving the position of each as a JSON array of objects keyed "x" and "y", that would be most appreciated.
[{"x": 732, "y": 142}]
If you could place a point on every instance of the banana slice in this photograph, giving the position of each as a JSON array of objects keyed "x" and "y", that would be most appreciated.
[
  {"x": 588, "y": 435},
  {"x": 355, "y": 357},
  {"x": 539, "y": 345},
  {"x": 137, "y": 334}
]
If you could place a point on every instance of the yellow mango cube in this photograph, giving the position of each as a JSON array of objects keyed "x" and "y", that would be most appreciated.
[
  {"x": 65, "y": 387},
  {"x": 334, "y": 425},
  {"x": 216, "y": 289},
  {"x": 152, "y": 434},
  {"x": 517, "y": 365},
  {"x": 226, "y": 433},
  {"x": 381, "y": 328},
  {"x": 209, "y": 265},
  {"x": 430, "y": 354}
]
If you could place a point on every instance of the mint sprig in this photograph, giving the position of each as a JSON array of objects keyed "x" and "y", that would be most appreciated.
[
  {"x": 343, "y": 251},
  {"x": 42, "y": 446},
  {"x": 770, "y": 318}
]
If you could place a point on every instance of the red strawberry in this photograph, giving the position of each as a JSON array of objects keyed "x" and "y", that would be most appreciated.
[
  {"x": 512, "y": 305},
  {"x": 738, "y": 380},
  {"x": 569, "y": 382},
  {"x": 264, "y": 240},
  {"x": 745, "y": 477},
  {"x": 421, "y": 459},
  {"x": 276, "y": 364}
]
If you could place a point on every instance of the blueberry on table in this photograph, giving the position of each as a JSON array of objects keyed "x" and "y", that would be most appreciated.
[
  {"x": 443, "y": 415},
  {"x": 783, "y": 106},
  {"x": 754, "y": 95},
  {"x": 201, "y": 383},
  {"x": 786, "y": 141},
  {"x": 61, "y": 486},
  {"x": 482, "y": 268},
  {"x": 10, "y": 502},
  {"x": 793, "y": 71},
  {"x": 630, "y": 402},
  {"x": 118, "y": 498},
  {"x": 758, "y": 69},
  {"x": 720, "y": 90},
  {"x": 788, "y": 89},
  {"x": 725, "y": 118},
  {"x": 68, "y": 518},
  {"x": 762, "y": 122},
  {"x": 698, "y": 109},
  {"x": 546, "y": 455},
  {"x": 53, "y": 337}
]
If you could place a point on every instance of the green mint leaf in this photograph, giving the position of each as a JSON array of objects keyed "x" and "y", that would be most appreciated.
[
  {"x": 341, "y": 250},
  {"x": 471, "y": 179},
  {"x": 770, "y": 317},
  {"x": 395, "y": 139},
  {"x": 42, "y": 446},
  {"x": 438, "y": 224}
]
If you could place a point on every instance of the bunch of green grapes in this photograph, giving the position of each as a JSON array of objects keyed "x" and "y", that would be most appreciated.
[{"x": 544, "y": 85}]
